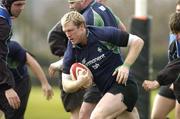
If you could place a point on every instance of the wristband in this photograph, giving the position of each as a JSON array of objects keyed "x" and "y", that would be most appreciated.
[{"x": 126, "y": 65}]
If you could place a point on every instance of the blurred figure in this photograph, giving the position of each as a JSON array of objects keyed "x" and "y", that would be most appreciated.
[
  {"x": 168, "y": 97},
  {"x": 18, "y": 62},
  {"x": 8, "y": 9},
  {"x": 165, "y": 100}
]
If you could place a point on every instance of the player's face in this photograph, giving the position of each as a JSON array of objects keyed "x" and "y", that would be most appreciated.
[
  {"x": 178, "y": 9},
  {"x": 75, "y": 6},
  {"x": 17, "y": 7},
  {"x": 74, "y": 33},
  {"x": 178, "y": 36}
]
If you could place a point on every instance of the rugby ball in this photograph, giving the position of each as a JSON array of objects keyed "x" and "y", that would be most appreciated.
[{"x": 76, "y": 68}]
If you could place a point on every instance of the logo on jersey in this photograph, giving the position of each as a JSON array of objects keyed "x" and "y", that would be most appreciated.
[
  {"x": 102, "y": 8},
  {"x": 99, "y": 49}
]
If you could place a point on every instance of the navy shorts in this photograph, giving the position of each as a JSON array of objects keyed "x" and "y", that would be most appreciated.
[
  {"x": 71, "y": 101},
  {"x": 92, "y": 95},
  {"x": 177, "y": 89},
  {"x": 165, "y": 91},
  {"x": 130, "y": 93},
  {"x": 22, "y": 88}
]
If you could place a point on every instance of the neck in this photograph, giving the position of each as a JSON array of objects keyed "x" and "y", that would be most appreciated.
[{"x": 84, "y": 37}]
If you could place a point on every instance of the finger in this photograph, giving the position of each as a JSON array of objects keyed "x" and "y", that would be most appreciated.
[
  {"x": 15, "y": 102},
  {"x": 125, "y": 79},
  {"x": 11, "y": 103},
  {"x": 120, "y": 78},
  {"x": 114, "y": 73},
  {"x": 50, "y": 94}
]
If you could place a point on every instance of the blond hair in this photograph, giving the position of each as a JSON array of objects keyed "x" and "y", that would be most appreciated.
[
  {"x": 74, "y": 1},
  {"x": 74, "y": 17}
]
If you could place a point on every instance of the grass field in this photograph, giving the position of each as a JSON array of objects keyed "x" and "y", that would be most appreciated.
[{"x": 39, "y": 108}]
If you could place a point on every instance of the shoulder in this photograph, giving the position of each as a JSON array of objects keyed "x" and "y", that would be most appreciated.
[
  {"x": 5, "y": 15},
  {"x": 14, "y": 46}
]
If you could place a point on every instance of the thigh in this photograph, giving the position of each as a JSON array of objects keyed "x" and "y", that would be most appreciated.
[
  {"x": 177, "y": 110},
  {"x": 162, "y": 106},
  {"x": 86, "y": 110},
  {"x": 110, "y": 105},
  {"x": 129, "y": 115}
]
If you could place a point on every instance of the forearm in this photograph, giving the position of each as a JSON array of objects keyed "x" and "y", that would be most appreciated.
[
  {"x": 59, "y": 64},
  {"x": 36, "y": 69},
  {"x": 135, "y": 48},
  {"x": 69, "y": 85}
]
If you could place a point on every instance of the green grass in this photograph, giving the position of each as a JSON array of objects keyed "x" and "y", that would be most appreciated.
[{"x": 39, "y": 108}]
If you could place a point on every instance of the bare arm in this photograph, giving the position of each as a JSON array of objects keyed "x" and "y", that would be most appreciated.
[
  {"x": 84, "y": 80},
  {"x": 122, "y": 26},
  {"x": 37, "y": 70},
  {"x": 135, "y": 45},
  {"x": 54, "y": 67}
]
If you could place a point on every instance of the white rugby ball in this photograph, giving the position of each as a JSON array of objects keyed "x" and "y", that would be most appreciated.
[{"x": 76, "y": 68}]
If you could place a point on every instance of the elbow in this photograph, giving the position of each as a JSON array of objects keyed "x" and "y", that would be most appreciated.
[
  {"x": 140, "y": 43},
  {"x": 66, "y": 90}
]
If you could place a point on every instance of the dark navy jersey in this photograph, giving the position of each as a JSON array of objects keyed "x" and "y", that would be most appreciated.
[
  {"x": 99, "y": 15},
  {"x": 4, "y": 14},
  {"x": 5, "y": 32},
  {"x": 95, "y": 14},
  {"x": 174, "y": 48},
  {"x": 101, "y": 54},
  {"x": 17, "y": 61},
  {"x": 6, "y": 78}
]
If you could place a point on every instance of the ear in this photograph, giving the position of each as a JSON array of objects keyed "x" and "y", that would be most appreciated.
[{"x": 82, "y": 26}]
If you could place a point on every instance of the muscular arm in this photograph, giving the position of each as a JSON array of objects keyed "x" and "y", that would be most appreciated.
[
  {"x": 170, "y": 73},
  {"x": 135, "y": 45},
  {"x": 84, "y": 80},
  {"x": 37, "y": 70}
]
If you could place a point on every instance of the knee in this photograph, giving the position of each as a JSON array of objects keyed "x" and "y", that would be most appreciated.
[
  {"x": 98, "y": 114},
  {"x": 84, "y": 114}
]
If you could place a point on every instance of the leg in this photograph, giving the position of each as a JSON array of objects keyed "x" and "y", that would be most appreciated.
[
  {"x": 2, "y": 115},
  {"x": 177, "y": 111},
  {"x": 91, "y": 98},
  {"x": 86, "y": 110},
  {"x": 109, "y": 107},
  {"x": 161, "y": 107},
  {"x": 75, "y": 113},
  {"x": 23, "y": 89},
  {"x": 129, "y": 115}
]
